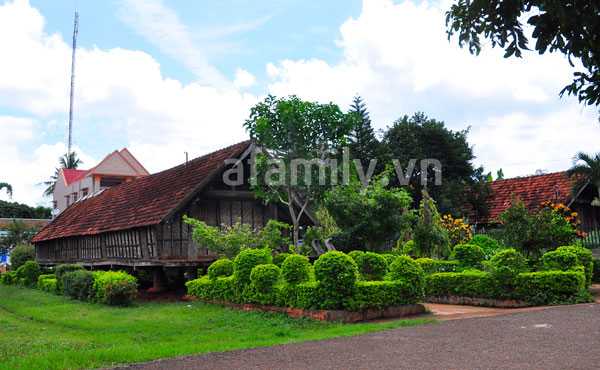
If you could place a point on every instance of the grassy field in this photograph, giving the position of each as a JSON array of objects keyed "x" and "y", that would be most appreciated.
[{"x": 43, "y": 331}]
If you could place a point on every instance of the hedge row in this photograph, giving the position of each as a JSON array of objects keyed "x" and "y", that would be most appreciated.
[
  {"x": 108, "y": 287},
  {"x": 335, "y": 282}
]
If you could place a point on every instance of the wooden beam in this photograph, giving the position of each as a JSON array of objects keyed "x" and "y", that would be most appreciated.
[{"x": 229, "y": 194}]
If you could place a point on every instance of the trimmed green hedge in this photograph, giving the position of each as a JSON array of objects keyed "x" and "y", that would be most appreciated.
[
  {"x": 296, "y": 269},
  {"x": 380, "y": 294},
  {"x": 371, "y": 266},
  {"x": 468, "y": 254},
  {"x": 220, "y": 268},
  {"x": 78, "y": 285},
  {"x": 560, "y": 283}
]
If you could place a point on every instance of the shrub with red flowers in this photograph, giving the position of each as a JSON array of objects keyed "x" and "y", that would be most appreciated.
[{"x": 116, "y": 288}]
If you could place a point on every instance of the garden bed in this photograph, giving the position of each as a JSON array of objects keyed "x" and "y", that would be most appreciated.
[
  {"x": 474, "y": 301},
  {"x": 331, "y": 315}
]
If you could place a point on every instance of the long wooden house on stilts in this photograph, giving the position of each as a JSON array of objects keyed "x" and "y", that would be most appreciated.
[{"x": 138, "y": 225}]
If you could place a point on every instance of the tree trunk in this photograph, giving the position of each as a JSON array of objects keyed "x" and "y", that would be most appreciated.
[{"x": 295, "y": 221}]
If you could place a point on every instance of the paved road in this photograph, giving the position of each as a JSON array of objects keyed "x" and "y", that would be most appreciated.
[{"x": 566, "y": 337}]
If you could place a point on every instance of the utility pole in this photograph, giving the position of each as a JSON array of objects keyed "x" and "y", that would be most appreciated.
[{"x": 75, "y": 28}]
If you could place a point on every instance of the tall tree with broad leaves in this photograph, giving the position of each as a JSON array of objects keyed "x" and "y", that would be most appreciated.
[
  {"x": 299, "y": 138},
  {"x": 7, "y": 187},
  {"x": 585, "y": 170},
  {"x": 67, "y": 161},
  {"x": 571, "y": 27},
  {"x": 418, "y": 138},
  {"x": 363, "y": 143}
]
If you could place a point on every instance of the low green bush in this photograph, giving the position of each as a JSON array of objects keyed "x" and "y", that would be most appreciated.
[
  {"x": 115, "y": 288},
  {"x": 303, "y": 295},
  {"x": 9, "y": 278},
  {"x": 220, "y": 289},
  {"x": 337, "y": 275},
  {"x": 381, "y": 294},
  {"x": 447, "y": 266},
  {"x": 471, "y": 283},
  {"x": 295, "y": 269},
  {"x": 584, "y": 258},
  {"x": 489, "y": 245},
  {"x": 559, "y": 260},
  {"x": 355, "y": 254},
  {"x": 428, "y": 265},
  {"x": 559, "y": 286},
  {"x": 468, "y": 254},
  {"x": 279, "y": 258},
  {"x": 246, "y": 261},
  {"x": 28, "y": 273},
  {"x": 21, "y": 254},
  {"x": 371, "y": 266},
  {"x": 78, "y": 285},
  {"x": 408, "y": 270},
  {"x": 220, "y": 268},
  {"x": 47, "y": 283},
  {"x": 506, "y": 265},
  {"x": 61, "y": 270},
  {"x": 389, "y": 259},
  {"x": 264, "y": 277}
]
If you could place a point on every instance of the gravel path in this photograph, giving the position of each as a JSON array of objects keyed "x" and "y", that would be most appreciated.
[{"x": 566, "y": 337}]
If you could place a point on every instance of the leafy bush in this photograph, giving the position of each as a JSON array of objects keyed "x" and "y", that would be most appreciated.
[
  {"x": 61, "y": 270},
  {"x": 246, "y": 261},
  {"x": 428, "y": 265},
  {"x": 468, "y": 254},
  {"x": 28, "y": 273},
  {"x": 279, "y": 258},
  {"x": 336, "y": 274},
  {"x": 584, "y": 258},
  {"x": 557, "y": 283},
  {"x": 371, "y": 266},
  {"x": 47, "y": 283},
  {"x": 78, "y": 284},
  {"x": 408, "y": 270},
  {"x": 506, "y": 265},
  {"x": 446, "y": 266},
  {"x": 389, "y": 258},
  {"x": 380, "y": 294},
  {"x": 9, "y": 278},
  {"x": 264, "y": 277},
  {"x": 220, "y": 289},
  {"x": 220, "y": 268},
  {"x": 490, "y": 245},
  {"x": 115, "y": 288},
  {"x": 296, "y": 269},
  {"x": 559, "y": 260},
  {"x": 21, "y": 254},
  {"x": 303, "y": 295},
  {"x": 471, "y": 283},
  {"x": 354, "y": 254}
]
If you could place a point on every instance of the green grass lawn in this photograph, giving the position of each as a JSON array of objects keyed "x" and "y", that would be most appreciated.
[{"x": 42, "y": 331}]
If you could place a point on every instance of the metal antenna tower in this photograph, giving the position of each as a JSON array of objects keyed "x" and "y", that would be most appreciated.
[{"x": 75, "y": 28}]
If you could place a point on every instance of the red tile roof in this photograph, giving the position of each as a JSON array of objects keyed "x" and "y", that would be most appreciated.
[
  {"x": 533, "y": 190},
  {"x": 141, "y": 202},
  {"x": 72, "y": 176}
]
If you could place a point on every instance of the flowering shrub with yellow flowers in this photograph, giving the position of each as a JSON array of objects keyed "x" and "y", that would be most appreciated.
[
  {"x": 566, "y": 213},
  {"x": 459, "y": 232}
]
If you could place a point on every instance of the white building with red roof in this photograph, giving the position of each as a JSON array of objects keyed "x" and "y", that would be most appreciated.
[{"x": 116, "y": 168}]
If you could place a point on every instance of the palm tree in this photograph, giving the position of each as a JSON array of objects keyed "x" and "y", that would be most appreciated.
[
  {"x": 67, "y": 161},
  {"x": 586, "y": 170},
  {"x": 8, "y": 187}
]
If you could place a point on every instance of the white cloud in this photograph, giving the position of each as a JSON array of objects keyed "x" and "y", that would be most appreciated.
[{"x": 243, "y": 79}]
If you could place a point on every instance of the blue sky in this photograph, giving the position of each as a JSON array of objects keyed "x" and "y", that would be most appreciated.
[{"x": 163, "y": 77}]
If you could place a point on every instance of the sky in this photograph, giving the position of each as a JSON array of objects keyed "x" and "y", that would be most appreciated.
[{"x": 167, "y": 77}]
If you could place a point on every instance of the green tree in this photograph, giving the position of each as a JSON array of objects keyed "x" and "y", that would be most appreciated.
[
  {"x": 8, "y": 187},
  {"x": 297, "y": 135},
  {"x": 363, "y": 143},
  {"x": 371, "y": 216},
  {"x": 18, "y": 233},
  {"x": 19, "y": 210},
  {"x": 571, "y": 27},
  {"x": 420, "y": 137},
  {"x": 430, "y": 236},
  {"x": 585, "y": 170},
  {"x": 67, "y": 161}
]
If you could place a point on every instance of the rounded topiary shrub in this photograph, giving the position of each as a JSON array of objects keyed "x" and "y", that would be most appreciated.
[
  {"x": 354, "y": 254},
  {"x": 220, "y": 268},
  {"x": 406, "y": 269},
  {"x": 584, "y": 258},
  {"x": 279, "y": 258},
  {"x": 295, "y": 269},
  {"x": 389, "y": 259},
  {"x": 246, "y": 261},
  {"x": 336, "y": 274},
  {"x": 61, "y": 270},
  {"x": 559, "y": 260},
  {"x": 488, "y": 244},
  {"x": 468, "y": 254},
  {"x": 371, "y": 266},
  {"x": 428, "y": 265},
  {"x": 264, "y": 277},
  {"x": 506, "y": 265},
  {"x": 28, "y": 273},
  {"x": 78, "y": 284}
]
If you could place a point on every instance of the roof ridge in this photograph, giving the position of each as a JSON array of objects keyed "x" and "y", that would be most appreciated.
[{"x": 529, "y": 176}]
